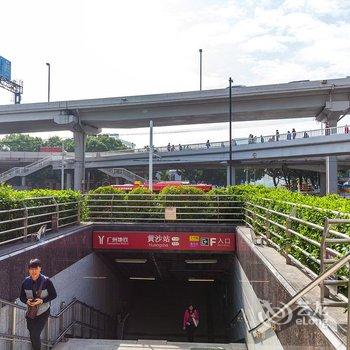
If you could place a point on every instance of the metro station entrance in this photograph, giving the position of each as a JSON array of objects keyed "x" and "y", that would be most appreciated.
[{"x": 157, "y": 284}]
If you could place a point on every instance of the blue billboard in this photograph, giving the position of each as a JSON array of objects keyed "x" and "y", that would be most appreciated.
[{"x": 5, "y": 68}]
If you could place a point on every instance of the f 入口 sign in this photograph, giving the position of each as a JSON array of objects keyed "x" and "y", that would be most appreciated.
[{"x": 186, "y": 241}]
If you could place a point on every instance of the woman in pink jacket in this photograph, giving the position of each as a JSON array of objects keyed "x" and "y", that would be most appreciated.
[{"x": 190, "y": 322}]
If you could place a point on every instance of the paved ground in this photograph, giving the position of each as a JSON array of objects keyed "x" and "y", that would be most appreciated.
[{"x": 100, "y": 344}]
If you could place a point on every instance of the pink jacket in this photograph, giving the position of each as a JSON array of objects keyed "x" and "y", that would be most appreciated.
[{"x": 195, "y": 315}]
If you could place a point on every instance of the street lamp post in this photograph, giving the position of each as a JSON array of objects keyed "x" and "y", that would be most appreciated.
[
  {"x": 62, "y": 166},
  {"x": 200, "y": 69},
  {"x": 48, "y": 81},
  {"x": 230, "y": 132},
  {"x": 150, "y": 161}
]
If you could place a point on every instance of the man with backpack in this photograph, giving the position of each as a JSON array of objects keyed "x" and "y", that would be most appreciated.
[{"x": 37, "y": 291}]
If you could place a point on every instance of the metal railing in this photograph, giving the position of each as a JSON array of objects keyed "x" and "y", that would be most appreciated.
[
  {"x": 23, "y": 222},
  {"x": 26, "y": 170},
  {"x": 123, "y": 173},
  {"x": 280, "y": 314},
  {"x": 291, "y": 305},
  {"x": 236, "y": 142},
  {"x": 329, "y": 256},
  {"x": 161, "y": 208},
  {"x": 241, "y": 318},
  {"x": 287, "y": 233},
  {"x": 76, "y": 319},
  {"x": 282, "y": 231}
]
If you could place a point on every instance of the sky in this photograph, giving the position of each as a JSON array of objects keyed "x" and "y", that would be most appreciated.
[{"x": 111, "y": 48}]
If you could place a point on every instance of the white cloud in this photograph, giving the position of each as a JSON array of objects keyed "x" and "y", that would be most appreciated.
[{"x": 115, "y": 47}]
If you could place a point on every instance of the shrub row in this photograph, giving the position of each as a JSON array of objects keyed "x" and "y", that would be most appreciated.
[
  {"x": 309, "y": 208},
  {"x": 43, "y": 200},
  {"x": 142, "y": 205}
]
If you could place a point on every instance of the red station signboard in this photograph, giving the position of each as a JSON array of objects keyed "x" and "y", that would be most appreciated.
[{"x": 184, "y": 241}]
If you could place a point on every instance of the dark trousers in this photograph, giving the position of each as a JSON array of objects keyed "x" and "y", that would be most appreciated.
[
  {"x": 190, "y": 332},
  {"x": 35, "y": 327}
]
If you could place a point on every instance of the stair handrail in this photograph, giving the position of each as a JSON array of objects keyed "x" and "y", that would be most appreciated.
[
  {"x": 50, "y": 343},
  {"x": 126, "y": 172},
  {"x": 62, "y": 311},
  {"x": 38, "y": 162},
  {"x": 130, "y": 173},
  {"x": 249, "y": 338},
  {"x": 244, "y": 316},
  {"x": 23, "y": 170},
  {"x": 266, "y": 324},
  {"x": 9, "y": 171},
  {"x": 123, "y": 325}
]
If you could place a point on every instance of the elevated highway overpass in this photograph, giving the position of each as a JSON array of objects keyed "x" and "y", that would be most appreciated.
[
  {"x": 326, "y": 100},
  {"x": 277, "y": 101}
]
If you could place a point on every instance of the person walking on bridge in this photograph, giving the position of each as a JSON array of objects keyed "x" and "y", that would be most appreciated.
[
  {"x": 277, "y": 135},
  {"x": 190, "y": 322},
  {"x": 37, "y": 291}
]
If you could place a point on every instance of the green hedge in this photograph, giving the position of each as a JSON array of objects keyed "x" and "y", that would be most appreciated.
[
  {"x": 100, "y": 207},
  {"x": 283, "y": 200},
  {"x": 13, "y": 199},
  {"x": 191, "y": 203},
  {"x": 280, "y": 200}
]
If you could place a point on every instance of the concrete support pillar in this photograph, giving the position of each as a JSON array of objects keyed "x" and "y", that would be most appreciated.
[
  {"x": 331, "y": 174},
  {"x": 79, "y": 165},
  {"x": 333, "y": 122},
  {"x": 323, "y": 184},
  {"x": 68, "y": 180},
  {"x": 23, "y": 181},
  {"x": 233, "y": 175}
]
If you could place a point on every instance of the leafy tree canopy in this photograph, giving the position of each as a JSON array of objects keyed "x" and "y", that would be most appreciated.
[{"x": 23, "y": 142}]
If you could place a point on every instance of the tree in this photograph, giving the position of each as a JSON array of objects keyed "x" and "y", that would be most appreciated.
[
  {"x": 218, "y": 177},
  {"x": 164, "y": 175},
  {"x": 54, "y": 141},
  {"x": 109, "y": 143},
  {"x": 21, "y": 142},
  {"x": 27, "y": 143},
  {"x": 276, "y": 175},
  {"x": 291, "y": 177}
]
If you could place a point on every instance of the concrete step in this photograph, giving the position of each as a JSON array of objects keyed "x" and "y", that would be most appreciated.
[{"x": 104, "y": 344}]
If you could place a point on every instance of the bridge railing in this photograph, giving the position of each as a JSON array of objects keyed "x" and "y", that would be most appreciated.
[
  {"x": 235, "y": 142},
  {"x": 30, "y": 221},
  {"x": 165, "y": 208}
]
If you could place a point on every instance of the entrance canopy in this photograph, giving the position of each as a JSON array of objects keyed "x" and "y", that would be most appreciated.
[
  {"x": 168, "y": 256},
  {"x": 167, "y": 241}
]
